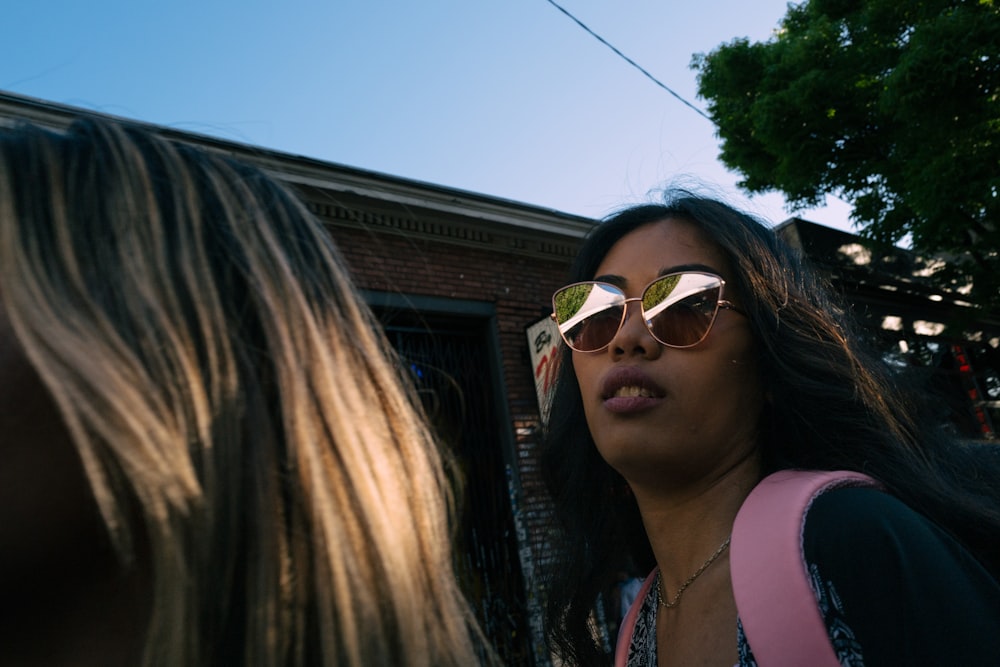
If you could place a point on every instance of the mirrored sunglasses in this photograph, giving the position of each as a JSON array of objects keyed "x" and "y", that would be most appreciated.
[{"x": 678, "y": 309}]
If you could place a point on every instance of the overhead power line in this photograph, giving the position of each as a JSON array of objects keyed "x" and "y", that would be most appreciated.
[{"x": 630, "y": 61}]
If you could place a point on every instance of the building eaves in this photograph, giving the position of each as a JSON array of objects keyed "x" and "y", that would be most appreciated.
[{"x": 331, "y": 177}]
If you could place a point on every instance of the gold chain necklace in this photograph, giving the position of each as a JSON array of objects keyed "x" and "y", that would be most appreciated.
[{"x": 690, "y": 580}]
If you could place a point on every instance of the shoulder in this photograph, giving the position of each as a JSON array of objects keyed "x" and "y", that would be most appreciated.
[
  {"x": 899, "y": 579},
  {"x": 855, "y": 531},
  {"x": 861, "y": 515}
]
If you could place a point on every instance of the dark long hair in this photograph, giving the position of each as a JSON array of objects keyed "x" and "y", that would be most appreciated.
[{"x": 834, "y": 404}]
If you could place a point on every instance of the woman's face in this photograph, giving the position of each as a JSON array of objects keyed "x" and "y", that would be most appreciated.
[{"x": 658, "y": 413}]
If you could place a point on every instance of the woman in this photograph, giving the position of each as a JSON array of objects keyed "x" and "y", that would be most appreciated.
[
  {"x": 208, "y": 456},
  {"x": 660, "y": 431}
]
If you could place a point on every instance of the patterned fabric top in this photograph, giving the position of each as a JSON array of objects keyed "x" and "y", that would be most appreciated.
[{"x": 642, "y": 649}]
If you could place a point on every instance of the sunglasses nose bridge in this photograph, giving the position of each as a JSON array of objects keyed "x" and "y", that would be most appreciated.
[
  {"x": 626, "y": 302},
  {"x": 626, "y": 316}
]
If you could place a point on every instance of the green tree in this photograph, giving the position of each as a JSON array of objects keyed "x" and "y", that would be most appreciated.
[{"x": 891, "y": 105}]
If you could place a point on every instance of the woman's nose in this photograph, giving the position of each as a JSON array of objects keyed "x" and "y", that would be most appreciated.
[{"x": 634, "y": 338}]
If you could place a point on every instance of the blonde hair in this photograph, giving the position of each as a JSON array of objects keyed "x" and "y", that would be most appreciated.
[{"x": 222, "y": 381}]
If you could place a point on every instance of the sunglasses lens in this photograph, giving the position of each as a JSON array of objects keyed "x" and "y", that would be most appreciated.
[
  {"x": 588, "y": 314},
  {"x": 598, "y": 330},
  {"x": 680, "y": 308}
]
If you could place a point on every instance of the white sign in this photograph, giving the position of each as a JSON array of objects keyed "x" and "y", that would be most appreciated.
[{"x": 545, "y": 348}]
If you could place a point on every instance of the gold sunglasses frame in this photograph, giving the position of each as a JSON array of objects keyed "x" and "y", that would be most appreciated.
[{"x": 721, "y": 304}]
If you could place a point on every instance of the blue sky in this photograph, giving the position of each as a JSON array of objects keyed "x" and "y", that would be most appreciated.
[{"x": 508, "y": 98}]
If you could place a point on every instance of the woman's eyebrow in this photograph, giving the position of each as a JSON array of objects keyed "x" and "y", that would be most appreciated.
[{"x": 689, "y": 267}]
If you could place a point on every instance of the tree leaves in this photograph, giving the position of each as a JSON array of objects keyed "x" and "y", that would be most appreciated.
[{"x": 892, "y": 106}]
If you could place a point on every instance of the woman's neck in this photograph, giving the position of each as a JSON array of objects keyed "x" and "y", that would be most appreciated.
[{"x": 687, "y": 523}]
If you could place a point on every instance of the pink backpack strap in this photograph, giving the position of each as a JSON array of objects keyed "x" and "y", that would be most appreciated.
[
  {"x": 627, "y": 628},
  {"x": 776, "y": 604}
]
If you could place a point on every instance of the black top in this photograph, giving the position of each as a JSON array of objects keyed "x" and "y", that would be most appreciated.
[{"x": 894, "y": 588}]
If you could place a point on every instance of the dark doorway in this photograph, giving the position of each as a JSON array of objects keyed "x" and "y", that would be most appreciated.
[{"x": 452, "y": 361}]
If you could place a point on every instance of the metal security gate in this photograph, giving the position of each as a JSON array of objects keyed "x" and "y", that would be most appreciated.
[{"x": 449, "y": 358}]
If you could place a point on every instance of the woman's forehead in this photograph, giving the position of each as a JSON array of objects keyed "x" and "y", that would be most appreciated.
[{"x": 663, "y": 246}]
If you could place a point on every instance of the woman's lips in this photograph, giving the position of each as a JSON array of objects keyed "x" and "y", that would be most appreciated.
[
  {"x": 628, "y": 389},
  {"x": 629, "y": 405}
]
